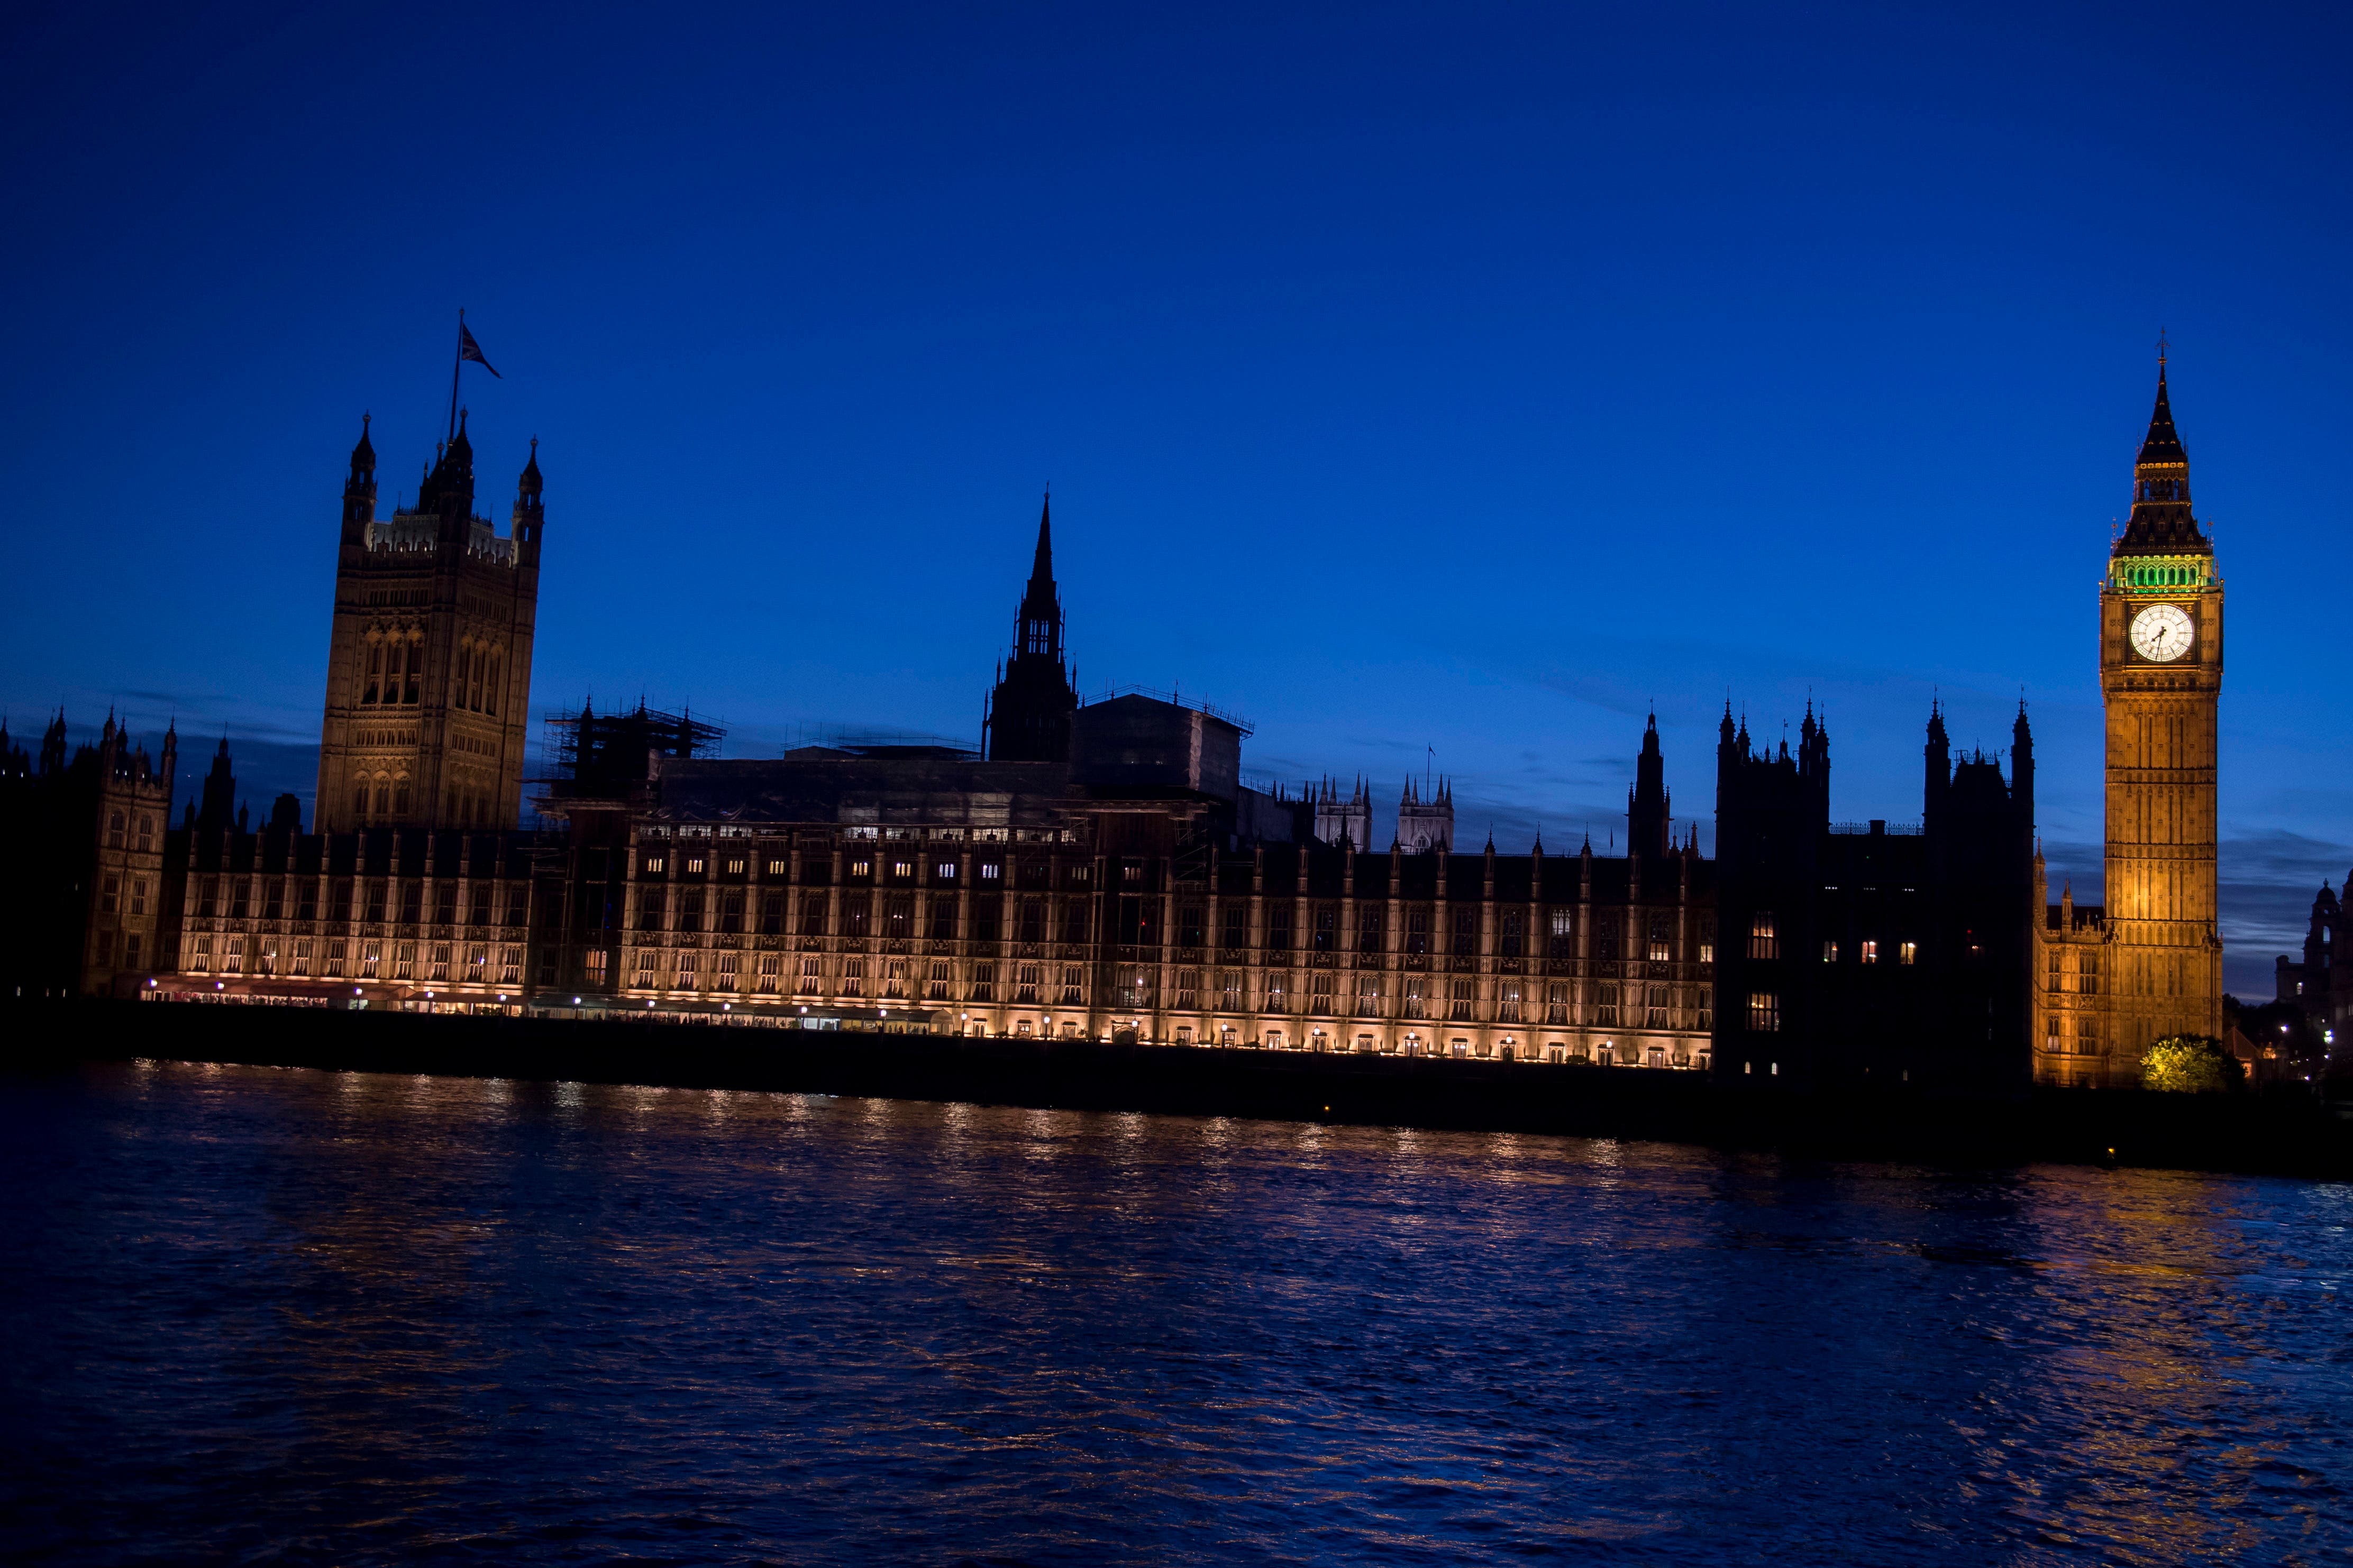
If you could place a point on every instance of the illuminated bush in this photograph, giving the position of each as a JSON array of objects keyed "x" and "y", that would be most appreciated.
[{"x": 2190, "y": 1064}]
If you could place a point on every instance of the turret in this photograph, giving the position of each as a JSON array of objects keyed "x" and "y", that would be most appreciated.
[
  {"x": 359, "y": 487},
  {"x": 529, "y": 514},
  {"x": 1646, "y": 803},
  {"x": 2022, "y": 770},
  {"x": 1937, "y": 771}
]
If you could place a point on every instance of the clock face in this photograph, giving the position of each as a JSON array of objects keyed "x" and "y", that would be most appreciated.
[{"x": 2161, "y": 632}]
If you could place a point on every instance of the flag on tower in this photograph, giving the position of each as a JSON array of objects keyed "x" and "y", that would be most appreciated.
[{"x": 469, "y": 348}]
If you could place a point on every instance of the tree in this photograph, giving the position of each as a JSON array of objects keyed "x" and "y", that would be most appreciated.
[{"x": 2190, "y": 1064}]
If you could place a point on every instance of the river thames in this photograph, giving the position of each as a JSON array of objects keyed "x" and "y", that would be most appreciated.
[{"x": 296, "y": 1317}]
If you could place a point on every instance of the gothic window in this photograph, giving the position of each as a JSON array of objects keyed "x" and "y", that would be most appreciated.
[
  {"x": 1764, "y": 1011},
  {"x": 147, "y": 840},
  {"x": 652, "y": 904},
  {"x": 983, "y": 982},
  {"x": 491, "y": 690},
  {"x": 399, "y": 797},
  {"x": 109, "y": 891},
  {"x": 1762, "y": 942},
  {"x": 114, "y": 829},
  {"x": 731, "y": 910},
  {"x": 412, "y": 903},
  {"x": 898, "y": 917},
  {"x": 772, "y": 915},
  {"x": 1236, "y": 928},
  {"x": 1074, "y": 922},
  {"x": 1870, "y": 953},
  {"x": 1556, "y": 1004},
  {"x": 1327, "y": 920},
  {"x": 1369, "y": 919},
  {"x": 412, "y": 687},
  {"x": 1278, "y": 927},
  {"x": 1416, "y": 996},
  {"x": 1466, "y": 931},
  {"x": 1830, "y": 952},
  {"x": 1032, "y": 921},
  {"x": 374, "y": 670},
  {"x": 139, "y": 895},
  {"x": 1320, "y": 991},
  {"x": 358, "y": 798},
  {"x": 690, "y": 909},
  {"x": 1460, "y": 998},
  {"x": 943, "y": 920},
  {"x": 1512, "y": 926},
  {"x": 812, "y": 914},
  {"x": 1907, "y": 952},
  {"x": 1507, "y": 1008},
  {"x": 856, "y": 911},
  {"x": 1417, "y": 930}
]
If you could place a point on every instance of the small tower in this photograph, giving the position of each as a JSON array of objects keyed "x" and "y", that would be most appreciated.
[
  {"x": 1028, "y": 718},
  {"x": 1344, "y": 819},
  {"x": 1425, "y": 827}
]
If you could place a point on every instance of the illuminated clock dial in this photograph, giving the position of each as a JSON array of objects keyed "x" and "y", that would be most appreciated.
[{"x": 2161, "y": 632}]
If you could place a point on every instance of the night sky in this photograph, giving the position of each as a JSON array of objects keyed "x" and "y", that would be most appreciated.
[{"x": 1466, "y": 378}]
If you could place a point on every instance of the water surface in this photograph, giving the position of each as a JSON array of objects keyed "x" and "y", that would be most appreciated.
[{"x": 311, "y": 1318}]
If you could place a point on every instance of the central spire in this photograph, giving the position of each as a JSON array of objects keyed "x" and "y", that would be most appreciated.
[{"x": 1029, "y": 712}]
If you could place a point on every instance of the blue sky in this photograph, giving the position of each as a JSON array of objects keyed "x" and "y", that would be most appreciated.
[{"x": 1463, "y": 377}]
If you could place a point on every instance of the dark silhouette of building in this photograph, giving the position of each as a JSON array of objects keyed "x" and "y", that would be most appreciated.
[
  {"x": 1028, "y": 716},
  {"x": 1876, "y": 952},
  {"x": 82, "y": 838}
]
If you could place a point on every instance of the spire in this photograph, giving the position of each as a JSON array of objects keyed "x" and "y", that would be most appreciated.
[
  {"x": 530, "y": 483},
  {"x": 2162, "y": 445},
  {"x": 1041, "y": 570},
  {"x": 2161, "y": 523},
  {"x": 364, "y": 455}
]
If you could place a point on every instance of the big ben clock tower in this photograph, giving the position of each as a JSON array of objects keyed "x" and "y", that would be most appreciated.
[{"x": 2160, "y": 682}]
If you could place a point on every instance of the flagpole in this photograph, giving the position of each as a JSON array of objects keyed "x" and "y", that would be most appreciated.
[{"x": 456, "y": 365}]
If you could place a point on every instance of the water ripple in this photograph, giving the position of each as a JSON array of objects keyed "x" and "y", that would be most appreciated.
[{"x": 296, "y": 1318}]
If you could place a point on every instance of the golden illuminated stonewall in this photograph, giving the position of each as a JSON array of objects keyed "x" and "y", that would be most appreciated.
[{"x": 2149, "y": 962}]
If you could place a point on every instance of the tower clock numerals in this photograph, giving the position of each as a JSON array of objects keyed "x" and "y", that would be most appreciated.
[{"x": 2161, "y": 632}]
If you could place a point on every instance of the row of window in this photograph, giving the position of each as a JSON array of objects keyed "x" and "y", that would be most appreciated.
[
  {"x": 392, "y": 670},
  {"x": 243, "y": 898},
  {"x": 1867, "y": 952},
  {"x": 118, "y": 831},
  {"x": 262, "y": 953}
]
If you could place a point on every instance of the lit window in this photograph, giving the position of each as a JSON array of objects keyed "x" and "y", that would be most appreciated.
[
  {"x": 1870, "y": 951},
  {"x": 1764, "y": 1011},
  {"x": 988, "y": 872},
  {"x": 1906, "y": 952},
  {"x": 735, "y": 867},
  {"x": 1830, "y": 952},
  {"x": 1762, "y": 940},
  {"x": 694, "y": 864}
]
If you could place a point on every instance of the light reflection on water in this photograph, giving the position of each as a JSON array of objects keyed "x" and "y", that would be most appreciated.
[{"x": 353, "y": 1319}]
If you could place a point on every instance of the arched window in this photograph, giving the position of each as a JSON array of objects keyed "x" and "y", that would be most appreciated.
[
  {"x": 400, "y": 797},
  {"x": 491, "y": 690},
  {"x": 359, "y": 800},
  {"x": 413, "y": 690},
  {"x": 374, "y": 657},
  {"x": 383, "y": 795}
]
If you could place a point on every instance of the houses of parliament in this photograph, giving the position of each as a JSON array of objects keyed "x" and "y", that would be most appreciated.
[{"x": 1098, "y": 868}]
